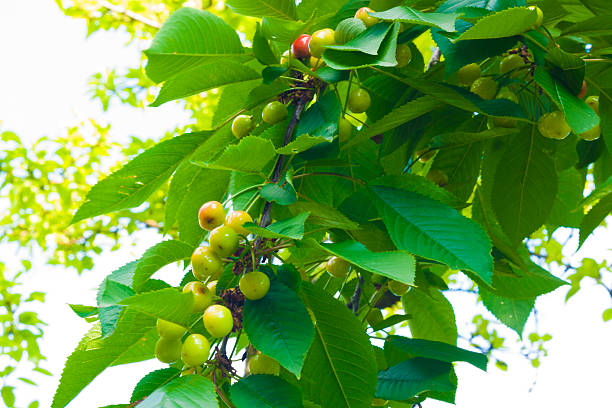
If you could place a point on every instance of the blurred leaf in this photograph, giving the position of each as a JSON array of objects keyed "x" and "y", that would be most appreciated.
[
  {"x": 190, "y": 391},
  {"x": 153, "y": 381},
  {"x": 283, "y": 9},
  {"x": 265, "y": 391}
]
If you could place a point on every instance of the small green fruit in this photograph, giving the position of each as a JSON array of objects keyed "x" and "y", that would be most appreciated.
[
  {"x": 553, "y": 125},
  {"x": 374, "y": 316},
  {"x": 359, "y": 100},
  {"x": 274, "y": 112},
  {"x": 593, "y": 102},
  {"x": 540, "y": 15},
  {"x": 403, "y": 55},
  {"x": 367, "y": 19},
  {"x": 485, "y": 87},
  {"x": 512, "y": 62},
  {"x": 169, "y": 330},
  {"x": 223, "y": 241},
  {"x": 262, "y": 364},
  {"x": 320, "y": 40},
  {"x": 202, "y": 296},
  {"x": 218, "y": 320},
  {"x": 344, "y": 130},
  {"x": 254, "y": 285},
  {"x": 348, "y": 29},
  {"x": 425, "y": 155},
  {"x": 398, "y": 288},
  {"x": 205, "y": 263},
  {"x": 337, "y": 267},
  {"x": 211, "y": 215},
  {"x": 195, "y": 350},
  {"x": 591, "y": 134},
  {"x": 242, "y": 126},
  {"x": 168, "y": 350},
  {"x": 468, "y": 74}
]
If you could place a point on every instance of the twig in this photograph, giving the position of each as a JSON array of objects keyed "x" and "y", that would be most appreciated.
[
  {"x": 353, "y": 304},
  {"x": 435, "y": 58},
  {"x": 128, "y": 13}
]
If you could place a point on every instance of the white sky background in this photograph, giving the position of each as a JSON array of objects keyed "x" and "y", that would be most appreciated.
[{"x": 45, "y": 65}]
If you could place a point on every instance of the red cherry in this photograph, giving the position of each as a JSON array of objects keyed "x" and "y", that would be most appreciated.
[{"x": 299, "y": 48}]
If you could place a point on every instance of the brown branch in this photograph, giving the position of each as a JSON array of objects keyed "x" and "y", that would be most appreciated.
[
  {"x": 435, "y": 58},
  {"x": 130, "y": 14}
]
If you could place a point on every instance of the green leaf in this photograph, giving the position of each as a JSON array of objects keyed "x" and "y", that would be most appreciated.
[
  {"x": 94, "y": 354},
  {"x": 262, "y": 49},
  {"x": 433, "y": 317},
  {"x": 600, "y": 192},
  {"x": 168, "y": 304},
  {"x": 411, "y": 377},
  {"x": 265, "y": 391},
  {"x": 8, "y": 396},
  {"x": 292, "y": 228},
  {"x": 566, "y": 211},
  {"x": 505, "y": 23},
  {"x": 323, "y": 215},
  {"x": 594, "y": 217},
  {"x": 419, "y": 184},
  {"x": 340, "y": 369},
  {"x": 516, "y": 283},
  {"x": 153, "y": 381},
  {"x": 131, "y": 185},
  {"x": 430, "y": 229},
  {"x": 188, "y": 39},
  {"x": 279, "y": 326},
  {"x": 190, "y": 391},
  {"x": 397, "y": 117},
  {"x": 511, "y": 312},
  {"x": 250, "y": 155},
  {"x": 405, "y": 348},
  {"x": 158, "y": 256},
  {"x": 463, "y": 139},
  {"x": 302, "y": 143},
  {"x": 404, "y": 14},
  {"x": 397, "y": 265},
  {"x": 203, "y": 77},
  {"x": 462, "y": 166},
  {"x": 283, "y": 9},
  {"x": 368, "y": 42},
  {"x": 391, "y": 321},
  {"x": 525, "y": 186},
  {"x": 84, "y": 311},
  {"x": 607, "y": 315},
  {"x": 281, "y": 192}
]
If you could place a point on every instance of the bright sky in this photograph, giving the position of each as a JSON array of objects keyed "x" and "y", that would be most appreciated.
[{"x": 43, "y": 79}]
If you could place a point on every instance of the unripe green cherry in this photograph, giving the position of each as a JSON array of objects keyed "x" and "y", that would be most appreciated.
[
  {"x": 262, "y": 364},
  {"x": 485, "y": 87},
  {"x": 374, "y": 316},
  {"x": 202, "y": 296},
  {"x": 403, "y": 55},
  {"x": 359, "y": 100},
  {"x": 540, "y": 15},
  {"x": 195, "y": 350},
  {"x": 316, "y": 63},
  {"x": 169, "y": 330},
  {"x": 425, "y": 155},
  {"x": 212, "y": 286},
  {"x": 254, "y": 285},
  {"x": 236, "y": 220},
  {"x": 468, "y": 74},
  {"x": 398, "y": 288},
  {"x": 274, "y": 112},
  {"x": 218, "y": 320},
  {"x": 593, "y": 102},
  {"x": 367, "y": 19},
  {"x": 320, "y": 40},
  {"x": 223, "y": 241},
  {"x": 348, "y": 29},
  {"x": 553, "y": 125},
  {"x": 211, "y": 215},
  {"x": 512, "y": 62},
  {"x": 284, "y": 254},
  {"x": 591, "y": 134},
  {"x": 337, "y": 267},
  {"x": 242, "y": 126},
  {"x": 205, "y": 263},
  {"x": 168, "y": 350},
  {"x": 344, "y": 130}
]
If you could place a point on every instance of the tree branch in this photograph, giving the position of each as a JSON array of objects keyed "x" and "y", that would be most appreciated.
[
  {"x": 435, "y": 58},
  {"x": 130, "y": 14}
]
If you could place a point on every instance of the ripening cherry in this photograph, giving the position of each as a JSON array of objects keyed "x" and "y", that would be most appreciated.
[
  {"x": 315, "y": 63},
  {"x": 262, "y": 364},
  {"x": 212, "y": 286},
  {"x": 367, "y": 19},
  {"x": 403, "y": 55},
  {"x": 202, "y": 296},
  {"x": 236, "y": 220},
  {"x": 591, "y": 134},
  {"x": 254, "y": 285},
  {"x": 398, "y": 288},
  {"x": 320, "y": 40},
  {"x": 553, "y": 125},
  {"x": 593, "y": 102},
  {"x": 337, "y": 267},
  {"x": 223, "y": 241},
  {"x": 218, "y": 320},
  {"x": 468, "y": 74},
  {"x": 285, "y": 57},
  {"x": 168, "y": 350},
  {"x": 274, "y": 112},
  {"x": 514, "y": 63},
  {"x": 344, "y": 130},
  {"x": 242, "y": 126},
  {"x": 299, "y": 48},
  {"x": 169, "y": 330},
  {"x": 195, "y": 350},
  {"x": 205, "y": 263},
  {"x": 359, "y": 100},
  {"x": 485, "y": 87},
  {"x": 211, "y": 215}
]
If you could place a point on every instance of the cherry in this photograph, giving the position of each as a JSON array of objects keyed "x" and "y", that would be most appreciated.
[
  {"x": 285, "y": 57},
  {"x": 212, "y": 286},
  {"x": 211, "y": 215},
  {"x": 274, "y": 112},
  {"x": 553, "y": 125},
  {"x": 425, "y": 155},
  {"x": 299, "y": 48},
  {"x": 169, "y": 330},
  {"x": 320, "y": 40},
  {"x": 202, "y": 296},
  {"x": 348, "y": 29},
  {"x": 374, "y": 316},
  {"x": 262, "y": 364},
  {"x": 242, "y": 126},
  {"x": 254, "y": 285},
  {"x": 583, "y": 90},
  {"x": 223, "y": 241},
  {"x": 359, "y": 100},
  {"x": 506, "y": 122},
  {"x": 284, "y": 254},
  {"x": 512, "y": 62},
  {"x": 344, "y": 130},
  {"x": 591, "y": 134},
  {"x": 367, "y": 19},
  {"x": 485, "y": 87},
  {"x": 593, "y": 102},
  {"x": 398, "y": 288},
  {"x": 468, "y": 74},
  {"x": 540, "y": 15},
  {"x": 205, "y": 263},
  {"x": 438, "y": 177},
  {"x": 337, "y": 267},
  {"x": 168, "y": 350},
  {"x": 218, "y": 320},
  {"x": 403, "y": 55},
  {"x": 236, "y": 220},
  {"x": 316, "y": 63},
  {"x": 195, "y": 350}
]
